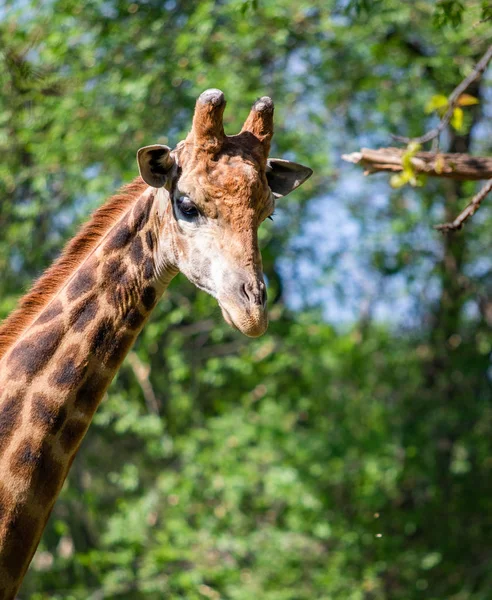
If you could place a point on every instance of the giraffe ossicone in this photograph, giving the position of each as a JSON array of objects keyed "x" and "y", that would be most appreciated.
[{"x": 194, "y": 209}]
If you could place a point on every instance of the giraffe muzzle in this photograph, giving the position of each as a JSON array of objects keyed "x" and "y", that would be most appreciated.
[
  {"x": 246, "y": 309},
  {"x": 252, "y": 322}
]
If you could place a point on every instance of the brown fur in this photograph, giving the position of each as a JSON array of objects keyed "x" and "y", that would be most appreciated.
[{"x": 79, "y": 248}]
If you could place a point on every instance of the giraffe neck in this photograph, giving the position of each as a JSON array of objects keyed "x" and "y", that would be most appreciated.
[{"x": 54, "y": 376}]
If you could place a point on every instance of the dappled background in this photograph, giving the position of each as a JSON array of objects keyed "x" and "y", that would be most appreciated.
[{"x": 347, "y": 454}]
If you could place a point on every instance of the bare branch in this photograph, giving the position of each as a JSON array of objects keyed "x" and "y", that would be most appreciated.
[
  {"x": 470, "y": 210},
  {"x": 222, "y": 349},
  {"x": 453, "y": 166},
  {"x": 141, "y": 372},
  {"x": 203, "y": 326},
  {"x": 452, "y": 102}
]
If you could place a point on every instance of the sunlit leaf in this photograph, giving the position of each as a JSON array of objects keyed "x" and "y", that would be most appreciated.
[
  {"x": 457, "y": 119},
  {"x": 435, "y": 103},
  {"x": 398, "y": 181},
  {"x": 439, "y": 164},
  {"x": 467, "y": 100}
]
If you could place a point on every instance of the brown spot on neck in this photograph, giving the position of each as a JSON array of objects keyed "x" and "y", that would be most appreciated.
[
  {"x": 136, "y": 251},
  {"x": 47, "y": 413},
  {"x": 31, "y": 355},
  {"x": 50, "y": 313},
  {"x": 149, "y": 297},
  {"x": 90, "y": 393},
  {"x": 69, "y": 373},
  {"x": 20, "y": 532},
  {"x": 141, "y": 212},
  {"x": 10, "y": 412},
  {"x": 82, "y": 283},
  {"x": 84, "y": 313}
]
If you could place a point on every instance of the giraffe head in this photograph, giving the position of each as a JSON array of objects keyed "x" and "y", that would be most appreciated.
[{"x": 216, "y": 190}]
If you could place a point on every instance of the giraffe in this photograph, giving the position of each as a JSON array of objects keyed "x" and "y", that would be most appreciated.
[{"x": 196, "y": 210}]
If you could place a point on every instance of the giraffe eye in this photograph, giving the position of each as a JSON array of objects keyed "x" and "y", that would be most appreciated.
[{"x": 186, "y": 206}]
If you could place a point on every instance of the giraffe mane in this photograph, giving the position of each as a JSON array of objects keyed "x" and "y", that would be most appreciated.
[{"x": 75, "y": 251}]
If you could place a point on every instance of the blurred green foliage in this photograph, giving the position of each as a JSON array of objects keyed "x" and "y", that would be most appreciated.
[{"x": 318, "y": 462}]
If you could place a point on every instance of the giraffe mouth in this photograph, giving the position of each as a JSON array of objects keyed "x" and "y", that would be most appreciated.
[
  {"x": 227, "y": 316},
  {"x": 251, "y": 323}
]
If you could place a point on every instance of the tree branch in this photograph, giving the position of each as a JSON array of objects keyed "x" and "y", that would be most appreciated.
[
  {"x": 453, "y": 166},
  {"x": 470, "y": 210},
  {"x": 452, "y": 102},
  {"x": 141, "y": 372}
]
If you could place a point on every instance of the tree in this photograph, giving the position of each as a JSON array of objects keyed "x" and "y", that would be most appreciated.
[{"x": 323, "y": 460}]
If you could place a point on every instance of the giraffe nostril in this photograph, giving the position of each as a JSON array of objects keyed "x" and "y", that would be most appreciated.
[
  {"x": 253, "y": 294},
  {"x": 245, "y": 292}
]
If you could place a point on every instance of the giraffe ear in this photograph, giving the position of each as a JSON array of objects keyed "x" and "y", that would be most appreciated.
[
  {"x": 155, "y": 164},
  {"x": 285, "y": 176}
]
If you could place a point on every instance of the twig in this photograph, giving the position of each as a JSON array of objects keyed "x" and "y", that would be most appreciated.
[
  {"x": 452, "y": 102},
  {"x": 470, "y": 210},
  {"x": 222, "y": 349},
  {"x": 141, "y": 372},
  {"x": 204, "y": 325},
  {"x": 450, "y": 165}
]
